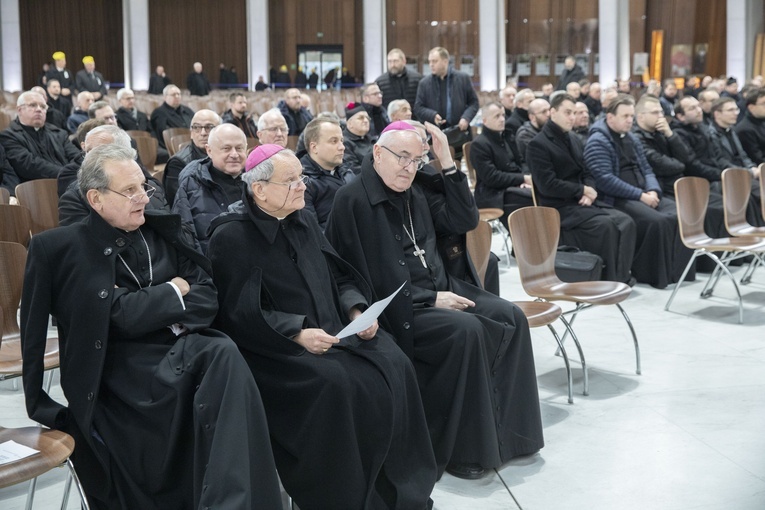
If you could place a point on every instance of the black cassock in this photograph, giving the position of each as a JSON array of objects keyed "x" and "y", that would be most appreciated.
[
  {"x": 475, "y": 368},
  {"x": 347, "y": 427},
  {"x": 160, "y": 421}
]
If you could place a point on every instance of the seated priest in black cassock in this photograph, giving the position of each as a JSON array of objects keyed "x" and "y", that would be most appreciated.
[
  {"x": 561, "y": 180},
  {"x": 164, "y": 411},
  {"x": 345, "y": 415},
  {"x": 471, "y": 349}
]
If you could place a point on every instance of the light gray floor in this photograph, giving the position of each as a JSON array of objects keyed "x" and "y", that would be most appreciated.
[{"x": 687, "y": 434}]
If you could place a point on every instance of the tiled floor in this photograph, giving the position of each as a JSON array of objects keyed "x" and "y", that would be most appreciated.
[{"x": 687, "y": 434}]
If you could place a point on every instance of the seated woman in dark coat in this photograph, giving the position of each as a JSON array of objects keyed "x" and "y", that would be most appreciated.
[{"x": 346, "y": 419}]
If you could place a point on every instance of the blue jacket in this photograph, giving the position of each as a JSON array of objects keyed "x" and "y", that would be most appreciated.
[
  {"x": 602, "y": 160},
  {"x": 199, "y": 199}
]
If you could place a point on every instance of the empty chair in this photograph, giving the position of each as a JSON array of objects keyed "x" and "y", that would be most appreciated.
[
  {"x": 538, "y": 313},
  {"x": 147, "y": 151},
  {"x": 15, "y": 222},
  {"x": 40, "y": 196},
  {"x": 54, "y": 449},
  {"x": 179, "y": 141},
  {"x": 135, "y": 134},
  {"x": 535, "y": 232},
  {"x": 691, "y": 198},
  {"x": 169, "y": 133},
  {"x": 737, "y": 189}
]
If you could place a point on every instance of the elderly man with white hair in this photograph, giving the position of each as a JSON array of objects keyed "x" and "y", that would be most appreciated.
[{"x": 399, "y": 109}]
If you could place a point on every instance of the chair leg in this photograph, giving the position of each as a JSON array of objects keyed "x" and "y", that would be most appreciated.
[
  {"x": 80, "y": 489},
  {"x": 67, "y": 490},
  {"x": 585, "y": 372},
  {"x": 638, "y": 369},
  {"x": 696, "y": 253},
  {"x": 31, "y": 493},
  {"x": 568, "y": 365}
]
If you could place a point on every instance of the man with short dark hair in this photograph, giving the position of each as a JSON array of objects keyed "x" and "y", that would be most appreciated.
[
  {"x": 561, "y": 180},
  {"x": 399, "y": 82},
  {"x": 163, "y": 410},
  {"x": 56, "y": 101},
  {"x": 294, "y": 113},
  {"x": 729, "y": 151},
  {"x": 446, "y": 98},
  {"x": 237, "y": 115},
  {"x": 372, "y": 100},
  {"x": 324, "y": 167},
  {"x": 102, "y": 110},
  {"x": 751, "y": 129},
  {"x": 624, "y": 179},
  {"x": 35, "y": 150},
  {"x": 668, "y": 97},
  {"x": 706, "y": 98}
]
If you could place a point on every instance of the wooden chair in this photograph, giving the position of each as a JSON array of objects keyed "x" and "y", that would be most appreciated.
[
  {"x": 538, "y": 313},
  {"x": 147, "y": 151},
  {"x": 169, "y": 133},
  {"x": 54, "y": 447},
  {"x": 179, "y": 142},
  {"x": 737, "y": 189},
  {"x": 14, "y": 224},
  {"x": 135, "y": 134},
  {"x": 13, "y": 258},
  {"x": 292, "y": 142},
  {"x": 5, "y": 196},
  {"x": 252, "y": 143},
  {"x": 40, "y": 196},
  {"x": 535, "y": 232},
  {"x": 691, "y": 199}
]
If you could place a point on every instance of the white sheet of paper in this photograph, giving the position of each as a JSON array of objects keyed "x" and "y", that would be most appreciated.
[
  {"x": 11, "y": 451},
  {"x": 369, "y": 316}
]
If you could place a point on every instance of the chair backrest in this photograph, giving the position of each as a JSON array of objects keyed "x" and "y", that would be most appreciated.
[
  {"x": 691, "y": 199},
  {"x": 147, "y": 151},
  {"x": 14, "y": 224},
  {"x": 737, "y": 188},
  {"x": 169, "y": 133},
  {"x": 478, "y": 243},
  {"x": 135, "y": 134},
  {"x": 470, "y": 168},
  {"x": 40, "y": 196},
  {"x": 292, "y": 142},
  {"x": 179, "y": 141},
  {"x": 535, "y": 232},
  {"x": 13, "y": 258},
  {"x": 5, "y": 196},
  {"x": 762, "y": 189}
]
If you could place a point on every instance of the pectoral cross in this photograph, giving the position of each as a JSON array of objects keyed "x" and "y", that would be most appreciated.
[{"x": 419, "y": 252}]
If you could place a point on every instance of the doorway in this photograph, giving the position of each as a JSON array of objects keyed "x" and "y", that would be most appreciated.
[{"x": 326, "y": 59}]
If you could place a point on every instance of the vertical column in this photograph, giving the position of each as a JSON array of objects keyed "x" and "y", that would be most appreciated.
[
  {"x": 491, "y": 44},
  {"x": 10, "y": 46},
  {"x": 136, "y": 48},
  {"x": 744, "y": 22},
  {"x": 614, "y": 39},
  {"x": 375, "y": 39},
  {"x": 258, "y": 59}
]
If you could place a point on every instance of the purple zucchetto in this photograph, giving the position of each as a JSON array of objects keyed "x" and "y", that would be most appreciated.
[{"x": 260, "y": 154}]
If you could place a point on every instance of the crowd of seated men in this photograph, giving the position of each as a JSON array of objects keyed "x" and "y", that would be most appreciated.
[
  {"x": 608, "y": 163},
  {"x": 240, "y": 267}
]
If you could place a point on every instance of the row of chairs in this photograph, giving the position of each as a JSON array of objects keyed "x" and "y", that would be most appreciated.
[{"x": 692, "y": 198}]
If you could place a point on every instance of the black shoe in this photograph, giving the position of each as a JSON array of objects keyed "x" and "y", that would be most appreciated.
[{"x": 466, "y": 471}]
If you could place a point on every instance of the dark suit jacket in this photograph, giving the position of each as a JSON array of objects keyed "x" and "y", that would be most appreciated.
[
  {"x": 751, "y": 134},
  {"x": 164, "y": 117},
  {"x": 28, "y": 160},
  {"x": 495, "y": 168},
  {"x": 463, "y": 97}
]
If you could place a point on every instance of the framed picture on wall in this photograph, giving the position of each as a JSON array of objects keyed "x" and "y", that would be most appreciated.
[
  {"x": 542, "y": 65},
  {"x": 524, "y": 64},
  {"x": 509, "y": 66},
  {"x": 700, "y": 52},
  {"x": 680, "y": 60},
  {"x": 560, "y": 64}
]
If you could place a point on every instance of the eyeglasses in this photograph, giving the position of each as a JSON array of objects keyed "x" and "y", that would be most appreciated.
[
  {"x": 405, "y": 161},
  {"x": 35, "y": 106},
  {"x": 137, "y": 197},
  {"x": 198, "y": 127},
  {"x": 278, "y": 129},
  {"x": 291, "y": 185}
]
